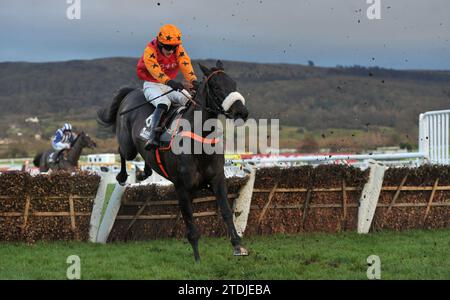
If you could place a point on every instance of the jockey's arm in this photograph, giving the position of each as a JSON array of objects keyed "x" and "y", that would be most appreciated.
[
  {"x": 61, "y": 145},
  {"x": 57, "y": 142},
  {"x": 185, "y": 65}
]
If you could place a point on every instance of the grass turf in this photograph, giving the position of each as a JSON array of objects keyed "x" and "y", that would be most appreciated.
[{"x": 417, "y": 254}]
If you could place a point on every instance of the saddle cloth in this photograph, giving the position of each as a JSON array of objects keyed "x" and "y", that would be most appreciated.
[{"x": 54, "y": 157}]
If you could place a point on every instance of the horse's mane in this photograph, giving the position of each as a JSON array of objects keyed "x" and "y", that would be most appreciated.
[{"x": 76, "y": 139}]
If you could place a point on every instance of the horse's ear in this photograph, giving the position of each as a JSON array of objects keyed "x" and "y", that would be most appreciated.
[
  {"x": 219, "y": 65},
  {"x": 205, "y": 70}
]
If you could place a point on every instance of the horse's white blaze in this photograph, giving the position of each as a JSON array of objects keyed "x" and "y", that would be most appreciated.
[{"x": 230, "y": 99}]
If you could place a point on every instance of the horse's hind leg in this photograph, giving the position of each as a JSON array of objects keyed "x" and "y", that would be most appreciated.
[
  {"x": 193, "y": 235},
  {"x": 122, "y": 176},
  {"x": 220, "y": 190},
  {"x": 147, "y": 170},
  {"x": 43, "y": 167}
]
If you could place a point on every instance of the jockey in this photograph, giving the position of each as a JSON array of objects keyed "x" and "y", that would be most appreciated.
[
  {"x": 62, "y": 140},
  {"x": 159, "y": 65}
]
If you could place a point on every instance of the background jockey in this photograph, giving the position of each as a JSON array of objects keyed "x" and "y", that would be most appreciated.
[
  {"x": 158, "y": 67},
  {"x": 62, "y": 140}
]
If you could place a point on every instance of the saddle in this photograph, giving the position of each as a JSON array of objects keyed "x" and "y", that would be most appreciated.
[{"x": 169, "y": 125}]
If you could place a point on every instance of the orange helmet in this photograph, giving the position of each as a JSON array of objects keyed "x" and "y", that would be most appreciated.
[{"x": 169, "y": 35}]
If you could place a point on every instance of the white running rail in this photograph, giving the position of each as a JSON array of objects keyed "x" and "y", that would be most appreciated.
[
  {"x": 434, "y": 136},
  {"x": 433, "y": 146}
]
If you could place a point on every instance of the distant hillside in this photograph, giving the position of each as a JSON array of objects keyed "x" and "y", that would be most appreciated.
[{"x": 302, "y": 96}]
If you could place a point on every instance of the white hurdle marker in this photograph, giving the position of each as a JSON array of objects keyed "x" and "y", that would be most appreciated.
[
  {"x": 97, "y": 209},
  {"x": 241, "y": 207},
  {"x": 369, "y": 196},
  {"x": 110, "y": 213}
]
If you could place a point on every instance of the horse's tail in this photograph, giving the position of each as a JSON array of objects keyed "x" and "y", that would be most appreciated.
[
  {"x": 37, "y": 159},
  {"x": 106, "y": 117}
]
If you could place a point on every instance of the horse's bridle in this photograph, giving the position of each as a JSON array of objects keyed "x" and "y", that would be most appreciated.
[{"x": 217, "y": 109}]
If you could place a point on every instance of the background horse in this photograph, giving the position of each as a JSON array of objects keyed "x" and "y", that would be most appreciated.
[
  {"x": 188, "y": 172},
  {"x": 68, "y": 160}
]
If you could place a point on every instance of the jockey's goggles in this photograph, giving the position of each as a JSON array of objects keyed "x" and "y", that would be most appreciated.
[{"x": 169, "y": 47}]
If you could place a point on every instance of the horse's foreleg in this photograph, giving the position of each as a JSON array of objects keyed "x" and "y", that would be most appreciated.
[
  {"x": 193, "y": 235},
  {"x": 122, "y": 176},
  {"x": 221, "y": 192}
]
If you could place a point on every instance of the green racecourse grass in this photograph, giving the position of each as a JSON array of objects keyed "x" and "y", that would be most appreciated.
[{"x": 407, "y": 255}]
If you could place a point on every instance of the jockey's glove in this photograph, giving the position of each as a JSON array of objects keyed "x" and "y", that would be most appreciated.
[{"x": 175, "y": 85}]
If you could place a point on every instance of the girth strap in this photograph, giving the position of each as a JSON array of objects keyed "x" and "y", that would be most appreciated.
[{"x": 161, "y": 167}]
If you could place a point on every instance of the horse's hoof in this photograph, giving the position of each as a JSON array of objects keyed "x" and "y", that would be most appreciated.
[
  {"x": 148, "y": 173},
  {"x": 121, "y": 179},
  {"x": 240, "y": 251}
]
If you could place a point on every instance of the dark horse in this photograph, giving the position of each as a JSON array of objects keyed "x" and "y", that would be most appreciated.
[
  {"x": 189, "y": 172},
  {"x": 68, "y": 160}
]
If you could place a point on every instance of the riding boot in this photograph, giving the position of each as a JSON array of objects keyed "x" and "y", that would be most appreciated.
[
  {"x": 53, "y": 158},
  {"x": 153, "y": 141}
]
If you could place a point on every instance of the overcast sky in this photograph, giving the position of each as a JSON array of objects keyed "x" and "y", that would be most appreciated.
[{"x": 412, "y": 34}]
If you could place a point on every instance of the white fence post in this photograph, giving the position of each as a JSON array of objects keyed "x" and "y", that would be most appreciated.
[
  {"x": 241, "y": 207},
  {"x": 97, "y": 209},
  {"x": 446, "y": 139},
  {"x": 424, "y": 138},
  {"x": 110, "y": 214},
  {"x": 369, "y": 196},
  {"x": 434, "y": 136}
]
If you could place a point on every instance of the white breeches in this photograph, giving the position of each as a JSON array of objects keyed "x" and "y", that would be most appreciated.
[{"x": 153, "y": 90}]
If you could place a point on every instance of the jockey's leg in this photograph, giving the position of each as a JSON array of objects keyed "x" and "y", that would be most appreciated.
[
  {"x": 150, "y": 133},
  {"x": 54, "y": 156},
  {"x": 155, "y": 131},
  {"x": 178, "y": 97}
]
